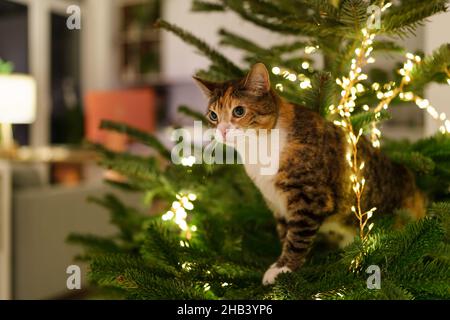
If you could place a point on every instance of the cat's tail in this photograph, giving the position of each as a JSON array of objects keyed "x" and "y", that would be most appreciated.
[{"x": 416, "y": 204}]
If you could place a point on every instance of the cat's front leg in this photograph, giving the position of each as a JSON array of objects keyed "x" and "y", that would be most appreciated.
[
  {"x": 281, "y": 229},
  {"x": 302, "y": 228}
]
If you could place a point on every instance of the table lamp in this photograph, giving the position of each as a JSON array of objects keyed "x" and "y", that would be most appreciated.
[{"x": 17, "y": 105}]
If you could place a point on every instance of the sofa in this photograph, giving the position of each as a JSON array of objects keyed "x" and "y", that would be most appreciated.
[{"x": 42, "y": 218}]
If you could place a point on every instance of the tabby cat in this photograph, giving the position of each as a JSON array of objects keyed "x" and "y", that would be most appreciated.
[{"x": 311, "y": 191}]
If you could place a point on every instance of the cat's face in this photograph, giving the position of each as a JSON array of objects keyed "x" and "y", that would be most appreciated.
[{"x": 248, "y": 103}]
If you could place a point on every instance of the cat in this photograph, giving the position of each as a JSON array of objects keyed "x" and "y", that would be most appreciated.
[{"x": 311, "y": 191}]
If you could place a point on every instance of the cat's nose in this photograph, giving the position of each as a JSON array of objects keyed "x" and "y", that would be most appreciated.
[{"x": 223, "y": 127}]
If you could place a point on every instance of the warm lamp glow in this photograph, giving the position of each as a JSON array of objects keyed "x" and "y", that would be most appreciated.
[{"x": 17, "y": 99}]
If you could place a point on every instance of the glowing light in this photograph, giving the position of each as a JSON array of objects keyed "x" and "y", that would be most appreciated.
[
  {"x": 310, "y": 49},
  {"x": 168, "y": 216},
  {"x": 363, "y": 77},
  {"x": 192, "y": 197},
  {"x": 410, "y": 56},
  {"x": 408, "y": 65},
  {"x": 187, "y": 266},
  {"x": 178, "y": 213},
  {"x": 183, "y": 225},
  {"x": 188, "y": 162},
  {"x": 408, "y": 96},
  {"x": 276, "y": 70},
  {"x": 305, "y": 84},
  {"x": 422, "y": 103},
  {"x": 176, "y": 205},
  {"x": 386, "y": 6},
  {"x": 305, "y": 65},
  {"x": 189, "y": 206},
  {"x": 360, "y": 88},
  {"x": 376, "y": 144},
  {"x": 279, "y": 87}
]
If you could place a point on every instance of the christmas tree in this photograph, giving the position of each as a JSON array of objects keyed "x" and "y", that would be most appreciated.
[{"x": 216, "y": 237}]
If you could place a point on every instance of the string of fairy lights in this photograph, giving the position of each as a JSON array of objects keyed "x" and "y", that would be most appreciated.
[
  {"x": 352, "y": 86},
  {"x": 178, "y": 214},
  {"x": 394, "y": 91}
]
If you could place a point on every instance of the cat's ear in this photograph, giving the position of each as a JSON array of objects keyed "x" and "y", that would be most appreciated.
[
  {"x": 206, "y": 86},
  {"x": 257, "y": 80}
]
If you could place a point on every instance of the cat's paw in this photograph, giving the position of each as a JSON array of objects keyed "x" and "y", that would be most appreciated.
[{"x": 272, "y": 273}]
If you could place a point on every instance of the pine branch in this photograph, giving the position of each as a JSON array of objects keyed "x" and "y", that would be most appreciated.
[
  {"x": 268, "y": 8},
  {"x": 137, "y": 134},
  {"x": 233, "y": 40},
  {"x": 213, "y": 74},
  {"x": 342, "y": 58},
  {"x": 363, "y": 119},
  {"x": 127, "y": 219},
  {"x": 288, "y": 26},
  {"x": 432, "y": 68},
  {"x": 162, "y": 246},
  {"x": 193, "y": 114},
  {"x": 404, "y": 19},
  {"x": 206, "y": 6},
  {"x": 252, "y": 49},
  {"x": 93, "y": 244},
  {"x": 217, "y": 58},
  {"x": 151, "y": 287},
  {"x": 388, "y": 47},
  {"x": 353, "y": 14},
  {"x": 322, "y": 94},
  {"x": 414, "y": 161}
]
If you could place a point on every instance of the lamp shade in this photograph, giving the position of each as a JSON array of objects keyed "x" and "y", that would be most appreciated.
[{"x": 17, "y": 99}]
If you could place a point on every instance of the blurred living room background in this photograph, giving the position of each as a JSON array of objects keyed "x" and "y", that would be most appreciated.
[{"x": 58, "y": 84}]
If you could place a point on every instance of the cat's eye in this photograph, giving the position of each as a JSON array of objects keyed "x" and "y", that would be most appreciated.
[
  {"x": 239, "y": 112},
  {"x": 213, "y": 116}
]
